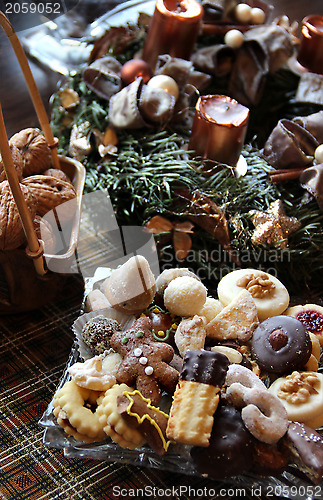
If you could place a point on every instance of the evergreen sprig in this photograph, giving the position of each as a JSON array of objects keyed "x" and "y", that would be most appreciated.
[{"x": 150, "y": 164}]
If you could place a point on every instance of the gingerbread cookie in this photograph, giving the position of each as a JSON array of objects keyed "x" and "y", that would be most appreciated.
[
  {"x": 151, "y": 422},
  {"x": 145, "y": 362}
]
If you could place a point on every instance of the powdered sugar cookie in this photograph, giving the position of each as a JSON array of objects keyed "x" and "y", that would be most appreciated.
[
  {"x": 92, "y": 375},
  {"x": 185, "y": 296}
]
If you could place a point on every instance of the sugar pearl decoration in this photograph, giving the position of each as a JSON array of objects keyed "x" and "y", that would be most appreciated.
[
  {"x": 242, "y": 12},
  {"x": 318, "y": 155},
  {"x": 166, "y": 83},
  {"x": 143, "y": 360},
  {"x": 137, "y": 352},
  {"x": 234, "y": 39},
  {"x": 149, "y": 370},
  {"x": 257, "y": 16}
]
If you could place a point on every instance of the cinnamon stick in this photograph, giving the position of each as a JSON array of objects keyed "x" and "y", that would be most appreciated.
[{"x": 285, "y": 174}]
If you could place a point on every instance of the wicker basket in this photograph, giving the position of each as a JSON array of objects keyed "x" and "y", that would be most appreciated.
[{"x": 25, "y": 281}]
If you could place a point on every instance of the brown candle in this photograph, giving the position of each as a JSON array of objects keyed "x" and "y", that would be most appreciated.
[
  {"x": 173, "y": 30},
  {"x": 310, "y": 54},
  {"x": 219, "y": 129}
]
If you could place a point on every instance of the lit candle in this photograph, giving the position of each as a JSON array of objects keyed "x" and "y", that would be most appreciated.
[
  {"x": 173, "y": 30},
  {"x": 310, "y": 54},
  {"x": 219, "y": 129}
]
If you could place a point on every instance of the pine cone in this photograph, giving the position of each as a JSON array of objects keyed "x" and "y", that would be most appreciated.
[
  {"x": 11, "y": 231},
  {"x": 36, "y": 155}
]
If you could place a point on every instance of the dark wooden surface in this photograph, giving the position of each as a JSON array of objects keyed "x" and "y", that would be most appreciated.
[{"x": 17, "y": 108}]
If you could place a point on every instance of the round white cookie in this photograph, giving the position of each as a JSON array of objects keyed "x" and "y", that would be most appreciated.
[
  {"x": 185, "y": 296},
  {"x": 304, "y": 397},
  {"x": 270, "y": 295}
]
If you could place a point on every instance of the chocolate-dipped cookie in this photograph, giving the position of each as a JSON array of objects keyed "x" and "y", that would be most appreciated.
[
  {"x": 231, "y": 447},
  {"x": 281, "y": 344},
  {"x": 306, "y": 448}
]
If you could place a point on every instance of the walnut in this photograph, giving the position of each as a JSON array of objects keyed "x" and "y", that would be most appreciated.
[
  {"x": 59, "y": 174},
  {"x": 17, "y": 161},
  {"x": 45, "y": 233},
  {"x": 12, "y": 235},
  {"x": 35, "y": 152},
  {"x": 50, "y": 192},
  {"x": 298, "y": 387},
  {"x": 257, "y": 283}
]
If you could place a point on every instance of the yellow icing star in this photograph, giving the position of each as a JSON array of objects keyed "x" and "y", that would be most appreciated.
[{"x": 273, "y": 226}]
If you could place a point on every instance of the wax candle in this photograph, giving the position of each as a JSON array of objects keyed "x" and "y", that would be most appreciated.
[
  {"x": 219, "y": 129},
  {"x": 173, "y": 29},
  {"x": 310, "y": 54}
]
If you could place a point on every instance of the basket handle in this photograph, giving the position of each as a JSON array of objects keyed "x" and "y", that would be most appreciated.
[
  {"x": 33, "y": 90},
  {"x": 35, "y": 248}
]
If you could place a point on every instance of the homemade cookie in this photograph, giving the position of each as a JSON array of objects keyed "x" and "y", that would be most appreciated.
[
  {"x": 190, "y": 334},
  {"x": 311, "y": 315},
  {"x": 80, "y": 407},
  {"x": 151, "y": 422},
  {"x": 301, "y": 393},
  {"x": 92, "y": 375},
  {"x": 236, "y": 321},
  {"x": 231, "y": 447},
  {"x": 112, "y": 422},
  {"x": 196, "y": 397},
  {"x": 270, "y": 295},
  {"x": 131, "y": 287},
  {"x": 145, "y": 362},
  {"x": 281, "y": 344},
  {"x": 168, "y": 275},
  {"x": 185, "y": 296}
]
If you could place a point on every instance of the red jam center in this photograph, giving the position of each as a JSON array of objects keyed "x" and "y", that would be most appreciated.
[{"x": 312, "y": 320}]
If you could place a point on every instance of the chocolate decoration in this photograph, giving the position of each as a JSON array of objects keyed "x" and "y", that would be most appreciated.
[
  {"x": 231, "y": 447},
  {"x": 290, "y": 145},
  {"x": 291, "y": 356},
  {"x": 312, "y": 180},
  {"x": 306, "y": 446},
  {"x": 205, "y": 367}
]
